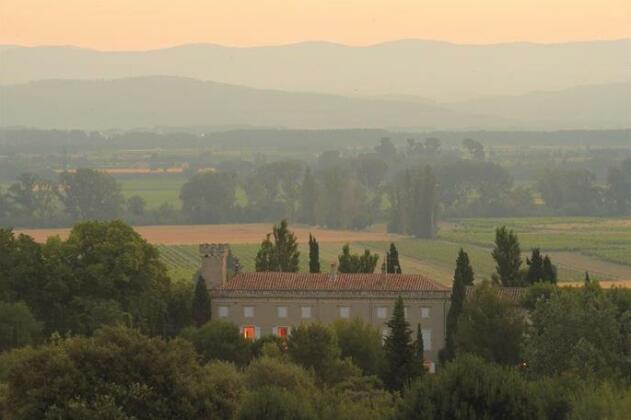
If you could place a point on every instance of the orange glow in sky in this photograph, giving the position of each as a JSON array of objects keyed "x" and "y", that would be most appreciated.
[{"x": 147, "y": 24}]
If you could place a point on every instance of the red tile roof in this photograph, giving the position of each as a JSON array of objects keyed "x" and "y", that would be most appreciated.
[
  {"x": 325, "y": 282},
  {"x": 512, "y": 293}
]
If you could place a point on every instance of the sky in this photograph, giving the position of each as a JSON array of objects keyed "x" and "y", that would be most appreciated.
[{"x": 150, "y": 24}]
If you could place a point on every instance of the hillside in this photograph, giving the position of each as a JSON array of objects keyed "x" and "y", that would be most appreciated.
[{"x": 437, "y": 70}]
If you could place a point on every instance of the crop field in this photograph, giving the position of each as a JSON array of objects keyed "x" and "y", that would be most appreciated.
[
  {"x": 576, "y": 245},
  {"x": 156, "y": 189}
]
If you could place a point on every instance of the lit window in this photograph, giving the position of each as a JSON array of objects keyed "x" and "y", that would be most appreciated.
[
  {"x": 427, "y": 339},
  {"x": 281, "y": 311},
  {"x": 382, "y": 312},
  {"x": 249, "y": 332},
  {"x": 424, "y": 313},
  {"x": 223, "y": 312},
  {"x": 305, "y": 311},
  {"x": 248, "y": 311},
  {"x": 345, "y": 312},
  {"x": 282, "y": 332}
]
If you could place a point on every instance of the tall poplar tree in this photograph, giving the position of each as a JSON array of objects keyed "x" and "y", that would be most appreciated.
[
  {"x": 314, "y": 255},
  {"x": 463, "y": 277},
  {"x": 201, "y": 303},
  {"x": 507, "y": 255},
  {"x": 399, "y": 350},
  {"x": 535, "y": 267}
]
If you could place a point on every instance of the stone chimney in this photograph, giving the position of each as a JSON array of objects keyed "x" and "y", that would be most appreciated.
[
  {"x": 214, "y": 268},
  {"x": 333, "y": 272}
]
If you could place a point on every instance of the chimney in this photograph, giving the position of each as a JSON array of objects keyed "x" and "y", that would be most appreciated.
[
  {"x": 333, "y": 272},
  {"x": 214, "y": 269}
]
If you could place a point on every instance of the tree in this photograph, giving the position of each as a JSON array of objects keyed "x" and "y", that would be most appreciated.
[
  {"x": 414, "y": 203},
  {"x": 309, "y": 199},
  {"x": 136, "y": 205},
  {"x": 463, "y": 277},
  {"x": 361, "y": 343},
  {"x": 491, "y": 327},
  {"x": 314, "y": 346},
  {"x": 419, "y": 351},
  {"x": 275, "y": 404},
  {"x": 34, "y": 196},
  {"x": 201, "y": 303},
  {"x": 470, "y": 388},
  {"x": 475, "y": 148},
  {"x": 282, "y": 254},
  {"x": 549, "y": 271},
  {"x": 619, "y": 188},
  {"x": 18, "y": 327},
  {"x": 535, "y": 267},
  {"x": 399, "y": 350},
  {"x": 314, "y": 255},
  {"x": 392, "y": 260},
  {"x": 88, "y": 194},
  {"x": 120, "y": 374},
  {"x": 209, "y": 197},
  {"x": 353, "y": 263},
  {"x": 507, "y": 255},
  {"x": 219, "y": 340}
]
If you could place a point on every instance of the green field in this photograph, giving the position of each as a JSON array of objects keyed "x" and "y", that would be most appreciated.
[
  {"x": 600, "y": 246},
  {"x": 155, "y": 189}
]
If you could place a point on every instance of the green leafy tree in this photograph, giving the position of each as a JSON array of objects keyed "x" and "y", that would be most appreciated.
[
  {"x": 18, "y": 327},
  {"x": 507, "y": 255},
  {"x": 136, "y": 205},
  {"x": 392, "y": 260},
  {"x": 463, "y": 277},
  {"x": 400, "y": 356},
  {"x": 219, "y": 340},
  {"x": 209, "y": 197},
  {"x": 88, "y": 195},
  {"x": 314, "y": 346},
  {"x": 470, "y": 388},
  {"x": 201, "y": 303},
  {"x": 275, "y": 404},
  {"x": 353, "y": 263},
  {"x": 34, "y": 196},
  {"x": 361, "y": 343},
  {"x": 121, "y": 374},
  {"x": 414, "y": 203},
  {"x": 314, "y": 255},
  {"x": 280, "y": 255},
  {"x": 268, "y": 372},
  {"x": 491, "y": 327}
]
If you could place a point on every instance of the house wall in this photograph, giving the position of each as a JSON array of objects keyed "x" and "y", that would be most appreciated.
[{"x": 327, "y": 310}]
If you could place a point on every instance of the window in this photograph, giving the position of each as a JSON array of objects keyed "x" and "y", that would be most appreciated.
[
  {"x": 282, "y": 332},
  {"x": 248, "y": 311},
  {"x": 382, "y": 312},
  {"x": 424, "y": 313},
  {"x": 223, "y": 312},
  {"x": 427, "y": 339},
  {"x": 384, "y": 334},
  {"x": 405, "y": 312},
  {"x": 281, "y": 311},
  {"x": 345, "y": 312},
  {"x": 305, "y": 311},
  {"x": 249, "y": 332}
]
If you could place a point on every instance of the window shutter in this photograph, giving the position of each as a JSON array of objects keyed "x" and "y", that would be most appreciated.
[
  {"x": 257, "y": 332},
  {"x": 275, "y": 331}
]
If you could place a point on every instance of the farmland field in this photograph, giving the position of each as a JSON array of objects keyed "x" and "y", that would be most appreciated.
[
  {"x": 576, "y": 245},
  {"x": 156, "y": 189}
]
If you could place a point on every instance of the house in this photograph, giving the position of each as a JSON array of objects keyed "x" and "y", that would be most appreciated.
[{"x": 273, "y": 303}]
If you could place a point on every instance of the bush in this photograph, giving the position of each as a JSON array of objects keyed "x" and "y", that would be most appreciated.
[{"x": 219, "y": 340}]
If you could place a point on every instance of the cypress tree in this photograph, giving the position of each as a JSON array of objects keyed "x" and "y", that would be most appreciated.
[
  {"x": 507, "y": 255},
  {"x": 265, "y": 259},
  {"x": 392, "y": 260},
  {"x": 201, "y": 303},
  {"x": 353, "y": 263},
  {"x": 535, "y": 267},
  {"x": 399, "y": 350},
  {"x": 463, "y": 277},
  {"x": 314, "y": 255},
  {"x": 419, "y": 350},
  {"x": 549, "y": 271}
]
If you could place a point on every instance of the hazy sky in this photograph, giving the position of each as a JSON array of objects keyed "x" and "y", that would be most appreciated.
[{"x": 146, "y": 24}]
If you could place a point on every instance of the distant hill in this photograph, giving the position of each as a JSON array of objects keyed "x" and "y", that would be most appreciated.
[
  {"x": 163, "y": 101},
  {"x": 437, "y": 70},
  {"x": 581, "y": 107},
  {"x": 178, "y": 102}
]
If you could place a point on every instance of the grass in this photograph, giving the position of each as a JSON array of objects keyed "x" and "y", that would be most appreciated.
[{"x": 156, "y": 189}]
